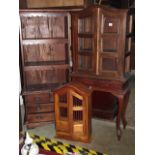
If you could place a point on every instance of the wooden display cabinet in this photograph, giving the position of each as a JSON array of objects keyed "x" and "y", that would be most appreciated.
[
  {"x": 45, "y": 60},
  {"x": 99, "y": 43},
  {"x": 101, "y": 53},
  {"x": 73, "y": 112}
]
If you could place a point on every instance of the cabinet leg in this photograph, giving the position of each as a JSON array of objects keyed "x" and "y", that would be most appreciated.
[
  {"x": 119, "y": 116},
  {"x": 124, "y": 109}
]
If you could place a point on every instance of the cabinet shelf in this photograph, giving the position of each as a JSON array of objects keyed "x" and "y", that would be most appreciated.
[
  {"x": 77, "y": 108},
  {"x": 47, "y": 67},
  {"x": 42, "y": 87},
  {"x": 85, "y": 52},
  {"x": 42, "y": 41},
  {"x": 110, "y": 33},
  {"x": 85, "y": 35},
  {"x": 45, "y": 63},
  {"x": 109, "y": 50},
  {"x": 64, "y": 105},
  {"x": 77, "y": 122},
  {"x": 109, "y": 54}
]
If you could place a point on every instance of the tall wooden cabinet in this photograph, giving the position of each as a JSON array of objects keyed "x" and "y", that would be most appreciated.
[
  {"x": 101, "y": 53},
  {"x": 45, "y": 61}
]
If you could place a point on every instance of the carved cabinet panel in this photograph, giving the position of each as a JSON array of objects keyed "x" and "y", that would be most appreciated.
[{"x": 45, "y": 60}]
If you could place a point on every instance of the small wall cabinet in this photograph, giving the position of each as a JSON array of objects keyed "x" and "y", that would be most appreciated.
[{"x": 73, "y": 112}]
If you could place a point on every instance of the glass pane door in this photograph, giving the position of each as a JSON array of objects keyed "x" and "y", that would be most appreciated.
[{"x": 85, "y": 43}]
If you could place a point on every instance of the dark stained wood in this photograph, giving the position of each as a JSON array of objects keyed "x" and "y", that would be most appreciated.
[
  {"x": 45, "y": 60},
  {"x": 106, "y": 68},
  {"x": 40, "y": 108},
  {"x": 104, "y": 105},
  {"x": 42, "y": 117},
  {"x": 111, "y": 33},
  {"x": 22, "y": 4}
]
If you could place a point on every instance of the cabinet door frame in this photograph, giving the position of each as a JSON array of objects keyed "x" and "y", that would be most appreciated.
[
  {"x": 75, "y": 16},
  {"x": 120, "y": 17}
]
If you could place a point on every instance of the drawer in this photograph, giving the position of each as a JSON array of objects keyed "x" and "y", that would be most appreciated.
[
  {"x": 40, "y": 108},
  {"x": 111, "y": 25},
  {"x": 42, "y": 98},
  {"x": 43, "y": 117}
]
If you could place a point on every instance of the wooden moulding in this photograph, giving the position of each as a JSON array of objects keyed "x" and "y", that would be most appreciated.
[{"x": 55, "y": 3}]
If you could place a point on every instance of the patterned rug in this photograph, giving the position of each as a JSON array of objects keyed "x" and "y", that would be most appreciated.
[{"x": 62, "y": 148}]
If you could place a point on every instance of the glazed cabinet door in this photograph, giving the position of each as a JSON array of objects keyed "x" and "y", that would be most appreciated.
[
  {"x": 112, "y": 49},
  {"x": 84, "y": 42}
]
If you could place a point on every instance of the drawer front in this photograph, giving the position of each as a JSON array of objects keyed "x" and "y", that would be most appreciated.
[
  {"x": 43, "y": 98},
  {"x": 111, "y": 25},
  {"x": 44, "y": 117},
  {"x": 40, "y": 108}
]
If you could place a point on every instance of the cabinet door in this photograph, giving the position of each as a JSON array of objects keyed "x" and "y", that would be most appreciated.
[
  {"x": 62, "y": 113},
  {"x": 83, "y": 41},
  {"x": 112, "y": 45},
  {"x": 77, "y": 111}
]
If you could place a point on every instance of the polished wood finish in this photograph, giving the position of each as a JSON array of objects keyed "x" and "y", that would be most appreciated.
[
  {"x": 73, "y": 112},
  {"x": 45, "y": 54},
  {"x": 99, "y": 33},
  {"x": 100, "y": 51}
]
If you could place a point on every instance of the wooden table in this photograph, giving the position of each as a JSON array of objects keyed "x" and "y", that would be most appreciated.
[{"x": 118, "y": 88}]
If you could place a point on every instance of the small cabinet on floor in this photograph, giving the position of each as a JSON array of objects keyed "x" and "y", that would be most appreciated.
[{"x": 72, "y": 112}]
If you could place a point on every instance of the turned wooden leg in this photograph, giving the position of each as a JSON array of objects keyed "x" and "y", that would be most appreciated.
[
  {"x": 119, "y": 116},
  {"x": 126, "y": 100}
]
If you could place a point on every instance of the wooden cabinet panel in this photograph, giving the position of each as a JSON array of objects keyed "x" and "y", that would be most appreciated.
[
  {"x": 38, "y": 108},
  {"x": 38, "y": 98},
  {"x": 63, "y": 126},
  {"x": 45, "y": 26},
  {"x": 110, "y": 25},
  {"x": 45, "y": 60},
  {"x": 45, "y": 76},
  {"x": 50, "y": 53},
  {"x": 109, "y": 43},
  {"x": 42, "y": 117},
  {"x": 109, "y": 64}
]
